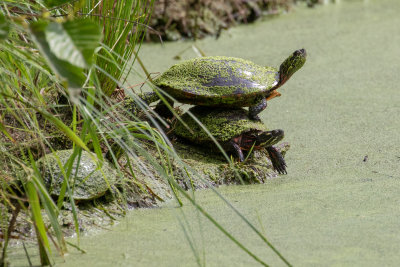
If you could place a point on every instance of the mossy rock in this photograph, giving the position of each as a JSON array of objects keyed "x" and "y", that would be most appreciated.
[
  {"x": 152, "y": 189},
  {"x": 91, "y": 180},
  {"x": 216, "y": 171}
]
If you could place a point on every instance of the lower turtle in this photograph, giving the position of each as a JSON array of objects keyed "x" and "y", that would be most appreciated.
[{"x": 234, "y": 131}]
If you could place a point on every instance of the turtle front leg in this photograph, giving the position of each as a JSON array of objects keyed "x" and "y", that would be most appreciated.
[
  {"x": 257, "y": 108},
  {"x": 163, "y": 110},
  {"x": 237, "y": 149},
  {"x": 278, "y": 162}
]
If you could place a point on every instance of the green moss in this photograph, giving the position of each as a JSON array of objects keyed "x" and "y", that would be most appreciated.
[
  {"x": 218, "y": 81},
  {"x": 214, "y": 168},
  {"x": 223, "y": 124},
  {"x": 89, "y": 182}
]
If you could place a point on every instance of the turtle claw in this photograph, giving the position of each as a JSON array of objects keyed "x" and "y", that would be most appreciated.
[
  {"x": 238, "y": 150},
  {"x": 278, "y": 162}
]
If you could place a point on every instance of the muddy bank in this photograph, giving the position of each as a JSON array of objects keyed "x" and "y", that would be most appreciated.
[{"x": 195, "y": 19}]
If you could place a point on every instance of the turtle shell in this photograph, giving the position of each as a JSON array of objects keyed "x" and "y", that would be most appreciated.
[
  {"x": 218, "y": 81},
  {"x": 223, "y": 124},
  {"x": 89, "y": 181}
]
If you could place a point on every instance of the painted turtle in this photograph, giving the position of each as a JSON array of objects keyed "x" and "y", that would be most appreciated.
[
  {"x": 225, "y": 82},
  {"x": 89, "y": 180},
  {"x": 233, "y": 130}
]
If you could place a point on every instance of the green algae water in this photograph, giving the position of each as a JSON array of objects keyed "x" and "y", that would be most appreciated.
[{"x": 340, "y": 202}]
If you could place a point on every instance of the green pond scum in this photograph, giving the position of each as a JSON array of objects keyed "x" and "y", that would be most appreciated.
[{"x": 332, "y": 208}]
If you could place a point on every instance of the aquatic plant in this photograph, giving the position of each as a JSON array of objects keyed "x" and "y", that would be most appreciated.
[{"x": 52, "y": 98}]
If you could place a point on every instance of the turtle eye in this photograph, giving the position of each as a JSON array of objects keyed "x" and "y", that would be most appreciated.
[
  {"x": 300, "y": 52},
  {"x": 259, "y": 134}
]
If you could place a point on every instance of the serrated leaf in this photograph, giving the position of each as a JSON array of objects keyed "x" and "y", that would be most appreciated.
[
  {"x": 4, "y": 27},
  {"x": 74, "y": 41},
  {"x": 73, "y": 75}
]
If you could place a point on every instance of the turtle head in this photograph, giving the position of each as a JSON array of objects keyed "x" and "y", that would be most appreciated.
[
  {"x": 269, "y": 138},
  {"x": 292, "y": 64}
]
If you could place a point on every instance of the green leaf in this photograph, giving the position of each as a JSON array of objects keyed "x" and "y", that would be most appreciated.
[
  {"x": 36, "y": 214},
  {"x": 68, "y": 48},
  {"x": 74, "y": 41},
  {"x": 53, "y": 3},
  {"x": 72, "y": 74},
  {"x": 4, "y": 27},
  {"x": 48, "y": 203},
  {"x": 4, "y": 131},
  {"x": 64, "y": 128}
]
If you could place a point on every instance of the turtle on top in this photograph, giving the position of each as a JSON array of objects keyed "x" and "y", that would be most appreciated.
[
  {"x": 224, "y": 85},
  {"x": 226, "y": 82}
]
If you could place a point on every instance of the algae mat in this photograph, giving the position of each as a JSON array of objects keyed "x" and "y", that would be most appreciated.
[{"x": 340, "y": 202}]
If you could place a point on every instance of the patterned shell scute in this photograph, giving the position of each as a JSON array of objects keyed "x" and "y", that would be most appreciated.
[
  {"x": 218, "y": 77},
  {"x": 223, "y": 124}
]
